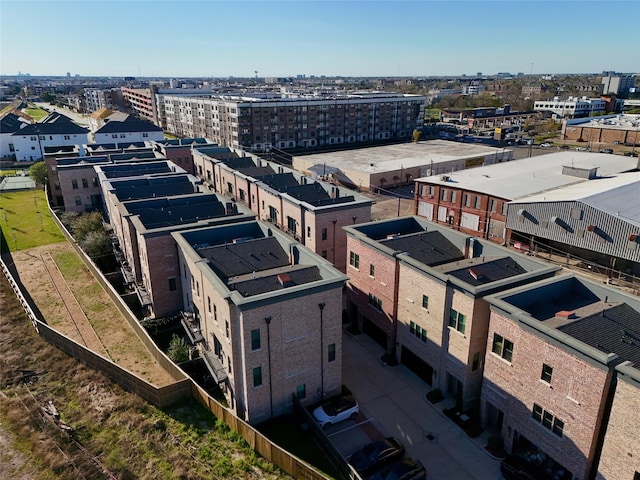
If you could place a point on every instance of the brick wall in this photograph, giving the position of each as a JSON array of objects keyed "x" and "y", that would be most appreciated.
[
  {"x": 620, "y": 457},
  {"x": 160, "y": 263},
  {"x": 575, "y": 395}
]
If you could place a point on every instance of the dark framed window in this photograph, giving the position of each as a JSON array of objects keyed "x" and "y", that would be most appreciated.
[
  {"x": 457, "y": 320},
  {"x": 476, "y": 361},
  {"x": 324, "y": 233},
  {"x": 425, "y": 301},
  {"x": 172, "y": 284},
  {"x": 547, "y": 373},
  {"x": 301, "y": 391},
  {"x": 257, "y": 376},
  {"x": 354, "y": 260},
  {"x": 255, "y": 339},
  {"x": 502, "y": 347},
  {"x": 536, "y": 413},
  {"x": 331, "y": 352},
  {"x": 372, "y": 270}
]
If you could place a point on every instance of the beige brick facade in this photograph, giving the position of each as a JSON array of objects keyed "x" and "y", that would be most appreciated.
[
  {"x": 620, "y": 458},
  {"x": 576, "y": 396}
]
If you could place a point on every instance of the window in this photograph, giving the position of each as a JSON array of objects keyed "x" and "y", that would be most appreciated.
[
  {"x": 324, "y": 254},
  {"x": 308, "y": 232},
  {"x": 172, "y": 284},
  {"x": 375, "y": 302},
  {"x": 354, "y": 260},
  {"x": 372, "y": 270},
  {"x": 547, "y": 372},
  {"x": 226, "y": 328},
  {"x": 493, "y": 205},
  {"x": 215, "y": 313},
  {"x": 457, "y": 320},
  {"x": 547, "y": 420},
  {"x": 417, "y": 331},
  {"x": 145, "y": 135},
  {"x": 324, "y": 234},
  {"x": 67, "y": 137},
  {"x": 453, "y": 196},
  {"x": 114, "y": 135},
  {"x": 74, "y": 184},
  {"x": 257, "y": 376},
  {"x": 425, "y": 302},
  {"x": 56, "y": 185},
  {"x": 255, "y": 339},
  {"x": 85, "y": 183},
  {"x": 443, "y": 194},
  {"x": 476, "y": 361},
  {"x": 502, "y": 347},
  {"x": 78, "y": 200},
  {"x": 301, "y": 391},
  {"x": 331, "y": 352},
  {"x": 478, "y": 202},
  {"x": 467, "y": 200}
]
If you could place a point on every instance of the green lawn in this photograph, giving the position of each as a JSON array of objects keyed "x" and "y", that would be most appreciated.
[
  {"x": 8, "y": 173},
  {"x": 36, "y": 113},
  {"x": 26, "y": 222}
]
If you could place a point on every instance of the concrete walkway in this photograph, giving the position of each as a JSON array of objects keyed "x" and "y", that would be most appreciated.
[{"x": 393, "y": 398}]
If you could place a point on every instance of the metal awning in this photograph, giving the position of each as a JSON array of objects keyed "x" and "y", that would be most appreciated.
[{"x": 215, "y": 367}]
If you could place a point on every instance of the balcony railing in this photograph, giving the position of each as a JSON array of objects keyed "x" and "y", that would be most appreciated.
[
  {"x": 192, "y": 327},
  {"x": 215, "y": 366}
]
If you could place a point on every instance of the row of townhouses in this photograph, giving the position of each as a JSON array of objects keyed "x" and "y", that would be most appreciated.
[{"x": 234, "y": 245}]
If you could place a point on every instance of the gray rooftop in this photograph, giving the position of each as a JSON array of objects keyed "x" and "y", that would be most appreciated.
[
  {"x": 429, "y": 248},
  {"x": 482, "y": 270},
  {"x": 139, "y": 188},
  {"x": 171, "y": 211},
  {"x": 136, "y": 169},
  {"x": 392, "y": 157},
  {"x": 521, "y": 178}
]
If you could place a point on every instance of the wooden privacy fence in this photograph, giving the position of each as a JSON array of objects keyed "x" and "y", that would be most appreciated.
[{"x": 164, "y": 396}]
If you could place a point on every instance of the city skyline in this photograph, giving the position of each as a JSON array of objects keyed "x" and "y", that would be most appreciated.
[{"x": 328, "y": 38}]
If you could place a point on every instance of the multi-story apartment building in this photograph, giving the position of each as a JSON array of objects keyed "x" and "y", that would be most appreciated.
[
  {"x": 572, "y": 107},
  {"x": 74, "y": 183},
  {"x": 268, "y": 313},
  {"x": 618, "y": 85},
  {"x": 550, "y": 374},
  {"x": 262, "y": 121},
  {"x": 418, "y": 289},
  {"x": 310, "y": 211},
  {"x": 140, "y": 101},
  {"x": 475, "y": 200},
  {"x": 96, "y": 98}
]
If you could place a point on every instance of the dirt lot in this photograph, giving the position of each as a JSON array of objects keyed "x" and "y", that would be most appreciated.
[{"x": 71, "y": 301}]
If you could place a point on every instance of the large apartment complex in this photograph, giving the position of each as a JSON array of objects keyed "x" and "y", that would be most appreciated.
[{"x": 261, "y": 121}]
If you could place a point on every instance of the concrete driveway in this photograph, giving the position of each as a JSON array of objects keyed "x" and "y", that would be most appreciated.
[{"x": 393, "y": 400}]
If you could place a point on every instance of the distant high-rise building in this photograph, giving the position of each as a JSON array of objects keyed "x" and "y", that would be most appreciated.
[{"x": 619, "y": 85}]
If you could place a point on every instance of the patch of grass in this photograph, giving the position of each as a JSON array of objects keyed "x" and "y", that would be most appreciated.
[
  {"x": 25, "y": 221},
  {"x": 36, "y": 113},
  {"x": 8, "y": 173}
]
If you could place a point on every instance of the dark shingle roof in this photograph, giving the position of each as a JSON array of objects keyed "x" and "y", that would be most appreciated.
[
  {"x": 179, "y": 214},
  {"x": 10, "y": 123},
  {"x": 53, "y": 124},
  {"x": 244, "y": 257},
  {"x": 135, "y": 169},
  {"x": 256, "y": 172},
  {"x": 280, "y": 181},
  {"x": 613, "y": 330},
  {"x": 429, "y": 248},
  {"x": 129, "y": 125},
  {"x": 154, "y": 187},
  {"x": 278, "y": 279},
  {"x": 490, "y": 271}
]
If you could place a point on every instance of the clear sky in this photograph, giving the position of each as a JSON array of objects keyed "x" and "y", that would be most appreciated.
[{"x": 284, "y": 38}]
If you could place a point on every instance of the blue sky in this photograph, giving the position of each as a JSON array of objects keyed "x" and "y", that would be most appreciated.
[{"x": 357, "y": 38}]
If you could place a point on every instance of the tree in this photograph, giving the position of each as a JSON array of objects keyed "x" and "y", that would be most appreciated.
[
  {"x": 85, "y": 224},
  {"x": 96, "y": 244},
  {"x": 178, "y": 350},
  {"x": 38, "y": 173}
]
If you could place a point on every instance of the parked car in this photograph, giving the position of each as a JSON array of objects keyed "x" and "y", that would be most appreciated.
[
  {"x": 404, "y": 469},
  {"x": 336, "y": 410},
  {"x": 377, "y": 454},
  {"x": 517, "y": 468},
  {"x": 581, "y": 149},
  {"x": 546, "y": 145},
  {"x": 565, "y": 147},
  {"x": 606, "y": 150}
]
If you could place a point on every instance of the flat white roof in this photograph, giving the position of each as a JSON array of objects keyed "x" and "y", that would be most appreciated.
[
  {"x": 618, "y": 195},
  {"x": 406, "y": 155},
  {"x": 522, "y": 178}
]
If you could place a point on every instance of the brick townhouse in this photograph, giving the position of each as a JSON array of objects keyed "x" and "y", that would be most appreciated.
[
  {"x": 179, "y": 151},
  {"x": 267, "y": 312},
  {"x": 550, "y": 371},
  {"x": 418, "y": 289},
  {"x": 311, "y": 212}
]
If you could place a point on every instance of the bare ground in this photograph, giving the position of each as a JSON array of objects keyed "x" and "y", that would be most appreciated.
[{"x": 80, "y": 309}]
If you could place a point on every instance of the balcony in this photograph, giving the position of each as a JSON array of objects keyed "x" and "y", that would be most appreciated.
[
  {"x": 215, "y": 366},
  {"x": 192, "y": 327}
]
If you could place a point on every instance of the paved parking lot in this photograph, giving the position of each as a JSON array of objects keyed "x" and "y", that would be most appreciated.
[{"x": 392, "y": 399}]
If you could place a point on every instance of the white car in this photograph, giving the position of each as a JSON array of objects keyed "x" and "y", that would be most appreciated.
[
  {"x": 336, "y": 410},
  {"x": 546, "y": 145}
]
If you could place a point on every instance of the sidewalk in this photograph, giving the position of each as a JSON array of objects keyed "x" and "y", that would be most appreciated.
[{"x": 393, "y": 398}]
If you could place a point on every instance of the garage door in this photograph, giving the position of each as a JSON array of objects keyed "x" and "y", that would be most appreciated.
[{"x": 418, "y": 366}]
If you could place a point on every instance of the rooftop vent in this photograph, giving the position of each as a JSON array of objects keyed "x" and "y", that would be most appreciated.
[
  {"x": 285, "y": 280},
  {"x": 476, "y": 274},
  {"x": 568, "y": 314}
]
